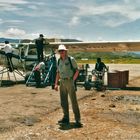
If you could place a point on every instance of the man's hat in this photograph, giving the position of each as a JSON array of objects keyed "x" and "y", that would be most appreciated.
[
  {"x": 6, "y": 42},
  {"x": 62, "y": 47},
  {"x": 41, "y": 35}
]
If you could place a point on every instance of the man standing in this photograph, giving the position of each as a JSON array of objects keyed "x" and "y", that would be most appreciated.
[
  {"x": 8, "y": 52},
  {"x": 40, "y": 42},
  {"x": 67, "y": 77}
]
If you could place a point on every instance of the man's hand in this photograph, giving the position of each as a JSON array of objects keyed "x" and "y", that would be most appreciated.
[
  {"x": 56, "y": 82},
  {"x": 56, "y": 87}
]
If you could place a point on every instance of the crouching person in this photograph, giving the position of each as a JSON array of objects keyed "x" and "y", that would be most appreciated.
[{"x": 38, "y": 73}]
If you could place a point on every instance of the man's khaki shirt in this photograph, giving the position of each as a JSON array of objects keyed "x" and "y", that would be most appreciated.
[{"x": 64, "y": 67}]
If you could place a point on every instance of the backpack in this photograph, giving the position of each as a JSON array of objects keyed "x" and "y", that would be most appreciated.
[{"x": 72, "y": 68}]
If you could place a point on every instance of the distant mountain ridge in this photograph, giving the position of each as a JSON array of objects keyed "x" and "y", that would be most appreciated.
[
  {"x": 70, "y": 40},
  {"x": 10, "y": 40},
  {"x": 28, "y": 40}
]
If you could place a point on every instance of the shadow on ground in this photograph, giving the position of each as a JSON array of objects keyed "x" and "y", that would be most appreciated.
[
  {"x": 68, "y": 126},
  {"x": 126, "y": 88}
]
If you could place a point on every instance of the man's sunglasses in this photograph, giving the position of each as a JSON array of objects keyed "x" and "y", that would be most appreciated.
[{"x": 61, "y": 51}]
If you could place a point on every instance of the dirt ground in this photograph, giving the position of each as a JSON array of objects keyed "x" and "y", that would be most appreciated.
[{"x": 29, "y": 113}]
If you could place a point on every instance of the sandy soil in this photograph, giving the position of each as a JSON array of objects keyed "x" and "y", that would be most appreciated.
[{"x": 28, "y": 113}]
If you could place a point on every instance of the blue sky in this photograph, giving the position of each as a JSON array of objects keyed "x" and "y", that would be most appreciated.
[{"x": 87, "y": 20}]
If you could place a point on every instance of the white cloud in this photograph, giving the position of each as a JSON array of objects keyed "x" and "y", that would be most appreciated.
[
  {"x": 18, "y": 34},
  {"x": 11, "y": 24},
  {"x": 13, "y": 1},
  {"x": 128, "y": 10},
  {"x": 59, "y": 18},
  {"x": 14, "y": 33},
  {"x": 74, "y": 21},
  {"x": 11, "y": 5},
  {"x": 13, "y": 21},
  {"x": 1, "y": 21},
  {"x": 33, "y": 7},
  {"x": 5, "y": 7}
]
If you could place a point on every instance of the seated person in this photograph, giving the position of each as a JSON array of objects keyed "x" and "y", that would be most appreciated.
[{"x": 100, "y": 66}]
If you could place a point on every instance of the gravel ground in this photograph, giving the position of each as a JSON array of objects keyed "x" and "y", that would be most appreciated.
[{"x": 29, "y": 113}]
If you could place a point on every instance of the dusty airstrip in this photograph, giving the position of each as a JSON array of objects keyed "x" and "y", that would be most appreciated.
[{"x": 29, "y": 113}]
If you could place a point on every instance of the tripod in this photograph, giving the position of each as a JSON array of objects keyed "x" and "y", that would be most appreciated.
[{"x": 9, "y": 68}]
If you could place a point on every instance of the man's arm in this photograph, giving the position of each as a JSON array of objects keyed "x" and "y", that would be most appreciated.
[
  {"x": 96, "y": 66},
  {"x": 105, "y": 67},
  {"x": 74, "y": 67},
  {"x": 76, "y": 74},
  {"x": 56, "y": 81},
  {"x": 45, "y": 42}
]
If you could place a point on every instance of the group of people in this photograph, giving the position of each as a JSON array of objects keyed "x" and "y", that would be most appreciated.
[{"x": 65, "y": 75}]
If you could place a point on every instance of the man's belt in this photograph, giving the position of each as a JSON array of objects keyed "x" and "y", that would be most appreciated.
[{"x": 67, "y": 78}]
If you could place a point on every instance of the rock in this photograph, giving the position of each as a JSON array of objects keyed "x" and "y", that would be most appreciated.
[
  {"x": 112, "y": 105},
  {"x": 103, "y": 95}
]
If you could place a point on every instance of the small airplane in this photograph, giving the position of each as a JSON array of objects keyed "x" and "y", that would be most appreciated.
[{"x": 26, "y": 52}]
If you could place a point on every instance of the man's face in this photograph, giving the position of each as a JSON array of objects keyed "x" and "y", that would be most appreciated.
[{"x": 62, "y": 53}]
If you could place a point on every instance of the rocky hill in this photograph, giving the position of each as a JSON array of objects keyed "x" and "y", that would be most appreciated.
[{"x": 10, "y": 40}]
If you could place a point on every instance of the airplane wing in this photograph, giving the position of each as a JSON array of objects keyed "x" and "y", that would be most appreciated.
[
  {"x": 96, "y": 46},
  {"x": 101, "y": 46}
]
